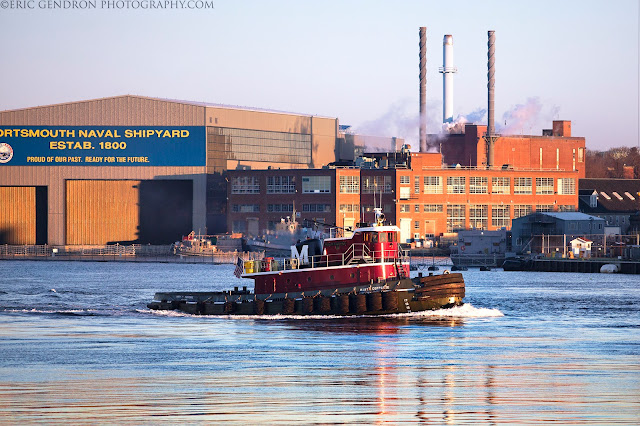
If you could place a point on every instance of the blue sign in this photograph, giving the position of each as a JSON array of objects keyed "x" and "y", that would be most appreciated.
[{"x": 102, "y": 146}]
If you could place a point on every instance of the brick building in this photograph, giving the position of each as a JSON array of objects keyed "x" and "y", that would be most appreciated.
[
  {"x": 419, "y": 192},
  {"x": 555, "y": 149}
]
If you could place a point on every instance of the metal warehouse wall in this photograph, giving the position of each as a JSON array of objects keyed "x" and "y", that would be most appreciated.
[
  {"x": 128, "y": 211},
  {"x": 17, "y": 215},
  {"x": 103, "y": 211},
  {"x": 54, "y": 179}
]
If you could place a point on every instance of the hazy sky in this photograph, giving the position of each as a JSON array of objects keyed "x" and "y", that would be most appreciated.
[{"x": 355, "y": 60}]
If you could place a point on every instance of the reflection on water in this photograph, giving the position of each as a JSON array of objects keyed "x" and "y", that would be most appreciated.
[{"x": 540, "y": 348}]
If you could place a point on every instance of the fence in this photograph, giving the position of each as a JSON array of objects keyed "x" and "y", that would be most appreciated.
[
  {"x": 594, "y": 246},
  {"x": 121, "y": 253}
]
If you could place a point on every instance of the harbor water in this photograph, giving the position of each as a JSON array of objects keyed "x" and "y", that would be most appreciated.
[{"x": 78, "y": 345}]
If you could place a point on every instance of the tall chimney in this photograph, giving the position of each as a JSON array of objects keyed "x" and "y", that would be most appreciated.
[
  {"x": 491, "y": 70},
  {"x": 447, "y": 71},
  {"x": 423, "y": 89}
]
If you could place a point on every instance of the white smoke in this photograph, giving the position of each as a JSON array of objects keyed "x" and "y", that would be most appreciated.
[
  {"x": 457, "y": 126},
  {"x": 527, "y": 117},
  {"x": 402, "y": 120},
  {"x": 399, "y": 120}
]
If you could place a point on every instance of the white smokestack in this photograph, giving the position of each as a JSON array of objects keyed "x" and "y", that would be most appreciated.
[{"x": 447, "y": 71}]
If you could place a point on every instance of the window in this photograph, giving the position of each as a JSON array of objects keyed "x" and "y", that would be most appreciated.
[
  {"x": 500, "y": 185},
  {"x": 544, "y": 186},
  {"x": 615, "y": 194},
  {"x": 479, "y": 216},
  {"x": 245, "y": 185},
  {"x": 429, "y": 226},
  {"x": 405, "y": 180},
  {"x": 500, "y": 216},
  {"x": 405, "y": 192},
  {"x": 478, "y": 185},
  {"x": 456, "y": 185},
  {"x": 281, "y": 185},
  {"x": 238, "y": 226},
  {"x": 416, "y": 208},
  {"x": 404, "y": 208},
  {"x": 277, "y": 208},
  {"x": 631, "y": 197},
  {"x": 432, "y": 185},
  {"x": 566, "y": 186},
  {"x": 455, "y": 217},
  {"x": 416, "y": 184},
  {"x": 349, "y": 184},
  {"x": 544, "y": 207},
  {"x": 316, "y": 184},
  {"x": 348, "y": 208},
  {"x": 566, "y": 208},
  {"x": 605, "y": 195},
  {"x": 257, "y": 145},
  {"x": 580, "y": 155},
  {"x": 320, "y": 208},
  {"x": 245, "y": 208},
  {"x": 416, "y": 224},
  {"x": 432, "y": 208},
  {"x": 520, "y": 210},
  {"x": 522, "y": 185},
  {"x": 376, "y": 184}
]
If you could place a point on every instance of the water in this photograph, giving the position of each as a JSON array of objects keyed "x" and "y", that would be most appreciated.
[{"x": 78, "y": 345}]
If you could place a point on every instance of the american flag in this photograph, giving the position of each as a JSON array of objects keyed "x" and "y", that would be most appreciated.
[{"x": 239, "y": 268}]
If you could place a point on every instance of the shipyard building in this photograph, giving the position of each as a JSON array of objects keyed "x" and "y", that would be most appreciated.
[{"x": 132, "y": 169}]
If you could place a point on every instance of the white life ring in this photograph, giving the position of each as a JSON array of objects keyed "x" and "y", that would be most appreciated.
[
  {"x": 462, "y": 248},
  {"x": 446, "y": 272}
]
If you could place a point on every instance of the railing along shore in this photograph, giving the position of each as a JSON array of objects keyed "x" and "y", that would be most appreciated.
[{"x": 121, "y": 253}]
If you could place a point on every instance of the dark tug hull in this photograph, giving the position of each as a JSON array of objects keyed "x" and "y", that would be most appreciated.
[{"x": 388, "y": 297}]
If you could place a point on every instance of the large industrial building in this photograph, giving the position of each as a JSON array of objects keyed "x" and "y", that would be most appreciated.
[
  {"x": 134, "y": 169},
  {"x": 426, "y": 194}
]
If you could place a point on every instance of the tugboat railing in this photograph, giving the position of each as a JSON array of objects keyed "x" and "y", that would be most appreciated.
[{"x": 356, "y": 254}]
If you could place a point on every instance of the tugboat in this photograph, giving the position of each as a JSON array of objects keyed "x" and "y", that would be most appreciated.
[{"x": 365, "y": 274}]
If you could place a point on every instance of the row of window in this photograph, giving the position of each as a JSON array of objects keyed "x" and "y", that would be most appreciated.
[
  {"x": 277, "y": 208},
  {"x": 321, "y": 208},
  {"x": 499, "y": 185},
  {"x": 519, "y": 209},
  {"x": 500, "y": 214},
  {"x": 382, "y": 184},
  {"x": 280, "y": 184}
]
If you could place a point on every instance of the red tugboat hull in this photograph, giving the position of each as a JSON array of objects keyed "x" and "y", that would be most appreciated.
[{"x": 393, "y": 296}]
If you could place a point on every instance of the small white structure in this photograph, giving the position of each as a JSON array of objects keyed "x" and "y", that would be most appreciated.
[{"x": 581, "y": 247}]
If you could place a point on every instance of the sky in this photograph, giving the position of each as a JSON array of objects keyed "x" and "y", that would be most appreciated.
[{"x": 355, "y": 60}]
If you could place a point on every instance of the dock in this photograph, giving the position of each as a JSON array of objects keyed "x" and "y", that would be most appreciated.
[{"x": 581, "y": 265}]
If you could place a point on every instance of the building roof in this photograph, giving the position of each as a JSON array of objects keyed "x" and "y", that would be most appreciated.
[
  {"x": 178, "y": 101},
  {"x": 582, "y": 240},
  {"x": 614, "y": 195},
  {"x": 570, "y": 216}
]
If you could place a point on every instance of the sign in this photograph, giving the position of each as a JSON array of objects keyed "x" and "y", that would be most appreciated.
[{"x": 102, "y": 146}]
